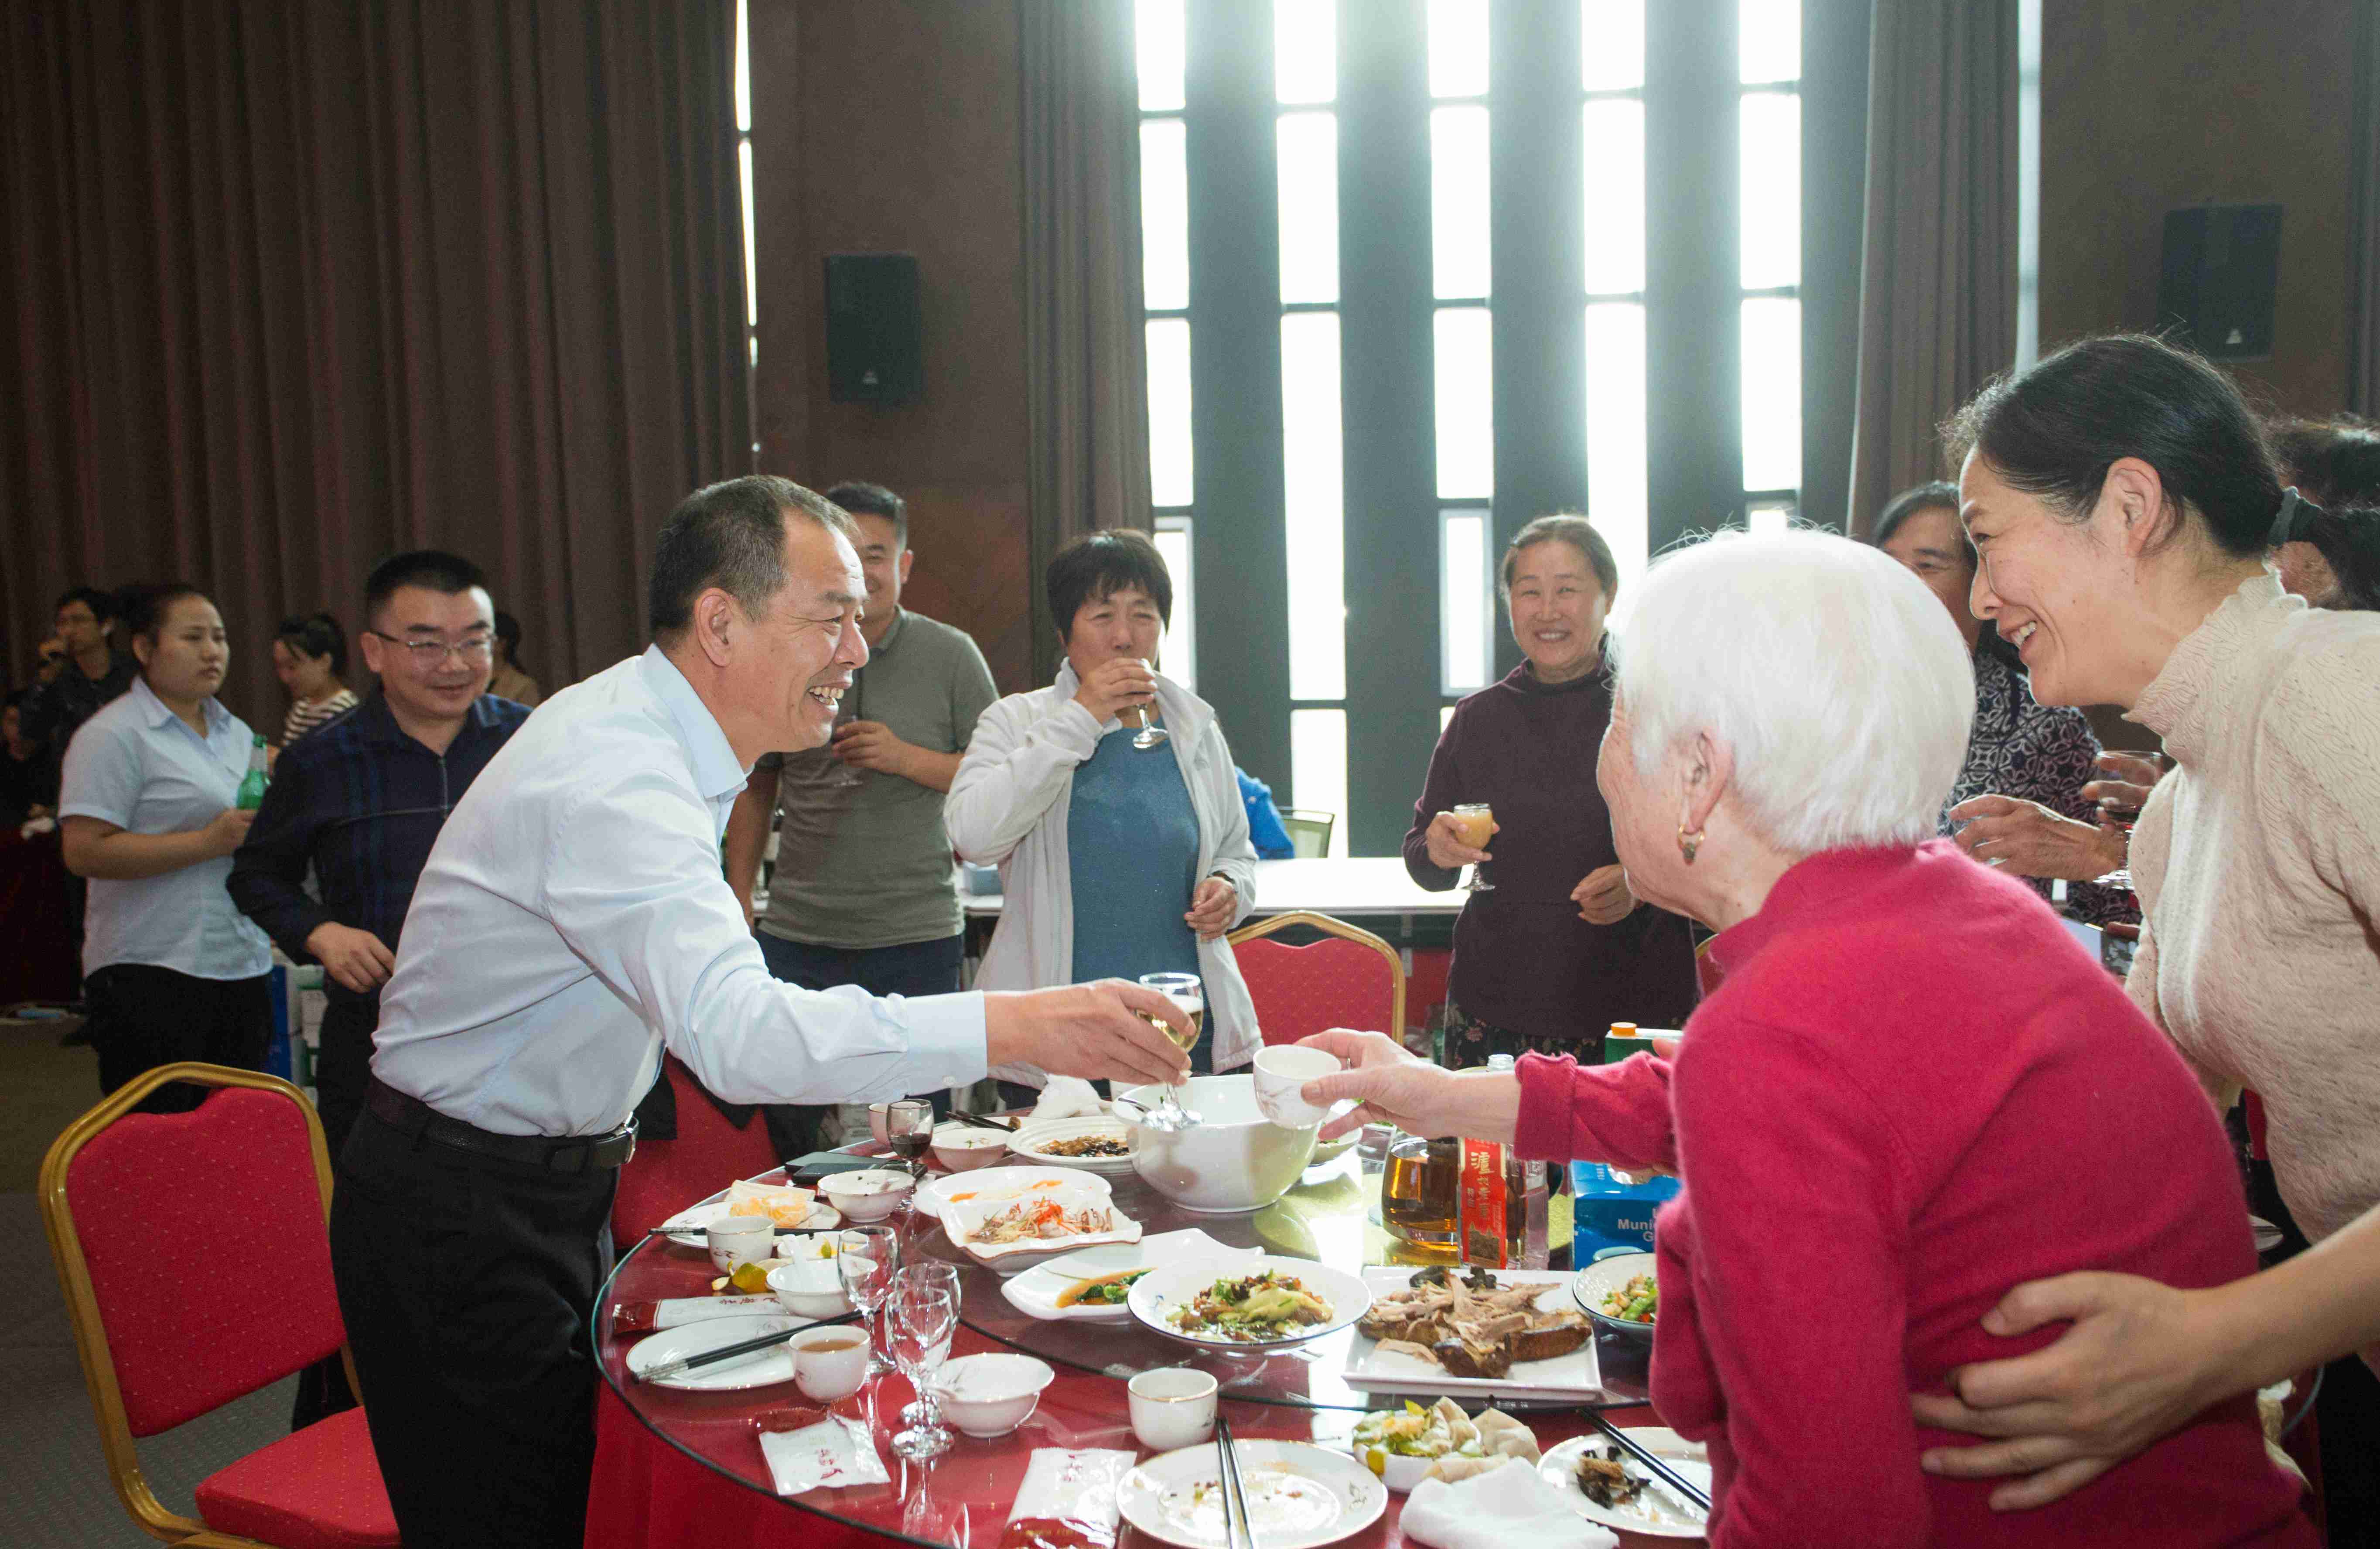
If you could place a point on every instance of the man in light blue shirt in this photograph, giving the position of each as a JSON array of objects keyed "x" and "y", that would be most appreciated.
[{"x": 574, "y": 922}]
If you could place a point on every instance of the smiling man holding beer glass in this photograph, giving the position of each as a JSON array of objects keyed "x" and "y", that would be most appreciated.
[
  {"x": 1552, "y": 948},
  {"x": 1120, "y": 854}
]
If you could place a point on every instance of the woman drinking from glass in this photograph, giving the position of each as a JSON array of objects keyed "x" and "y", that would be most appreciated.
[
  {"x": 1121, "y": 853},
  {"x": 171, "y": 968},
  {"x": 1557, "y": 950},
  {"x": 1911, "y": 1089}
]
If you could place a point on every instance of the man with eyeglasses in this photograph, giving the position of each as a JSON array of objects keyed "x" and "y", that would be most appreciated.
[{"x": 359, "y": 802}]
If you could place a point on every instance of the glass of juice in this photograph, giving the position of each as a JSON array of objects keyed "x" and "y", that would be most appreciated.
[{"x": 1474, "y": 824}]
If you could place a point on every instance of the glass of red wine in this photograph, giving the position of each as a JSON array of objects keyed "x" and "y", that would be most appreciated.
[{"x": 909, "y": 1131}]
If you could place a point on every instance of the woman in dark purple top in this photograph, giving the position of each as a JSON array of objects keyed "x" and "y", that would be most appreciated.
[{"x": 1558, "y": 949}]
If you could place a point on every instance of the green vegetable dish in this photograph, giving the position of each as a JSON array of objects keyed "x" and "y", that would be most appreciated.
[
  {"x": 1636, "y": 1302},
  {"x": 1251, "y": 1309}
]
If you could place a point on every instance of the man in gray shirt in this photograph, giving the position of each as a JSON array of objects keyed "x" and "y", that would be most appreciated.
[{"x": 862, "y": 890}]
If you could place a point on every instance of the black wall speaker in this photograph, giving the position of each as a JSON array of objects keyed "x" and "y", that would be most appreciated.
[
  {"x": 2222, "y": 265},
  {"x": 873, "y": 348}
]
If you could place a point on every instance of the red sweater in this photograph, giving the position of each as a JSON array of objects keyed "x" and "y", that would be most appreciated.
[{"x": 1913, "y": 1093}]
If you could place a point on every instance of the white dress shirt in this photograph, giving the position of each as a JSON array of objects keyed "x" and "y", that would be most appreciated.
[
  {"x": 140, "y": 766},
  {"x": 574, "y": 918}
]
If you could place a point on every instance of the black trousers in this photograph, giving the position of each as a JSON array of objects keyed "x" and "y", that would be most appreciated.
[
  {"x": 342, "y": 1074},
  {"x": 923, "y": 968},
  {"x": 466, "y": 1283},
  {"x": 343, "y": 1066},
  {"x": 142, "y": 1016}
]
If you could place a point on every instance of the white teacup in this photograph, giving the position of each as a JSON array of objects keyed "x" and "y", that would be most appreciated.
[
  {"x": 831, "y": 1362},
  {"x": 1172, "y": 1407},
  {"x": 740, "y": 1240},
  {"x": 1281, "y": 1069}
]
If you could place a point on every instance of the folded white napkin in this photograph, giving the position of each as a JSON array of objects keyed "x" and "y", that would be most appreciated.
[
  {"x": 1067, "y": 1097},
  {"x": 1496, "y": 1510},
  {"x": 834, "y": 1454}
]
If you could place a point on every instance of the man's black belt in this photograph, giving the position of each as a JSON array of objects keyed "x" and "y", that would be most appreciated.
[{"x": 413, "y": 1118}]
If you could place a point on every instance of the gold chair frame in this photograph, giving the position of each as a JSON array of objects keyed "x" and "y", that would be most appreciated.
[
  {"x": 83, "y": 1304},
  {"x": 1340, "y": 928}
]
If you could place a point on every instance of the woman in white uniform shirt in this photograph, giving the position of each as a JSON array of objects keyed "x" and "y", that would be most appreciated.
[{"x": 172, "y": 970}]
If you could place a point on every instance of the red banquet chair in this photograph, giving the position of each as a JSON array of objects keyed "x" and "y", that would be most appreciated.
[
  {"x": 1351, "y": 978},
  {"x": 664, "y": 1177},
  {"x": 235, "y": 1198}
]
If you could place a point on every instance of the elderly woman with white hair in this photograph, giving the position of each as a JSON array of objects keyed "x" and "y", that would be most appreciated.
[{"x": 1911, "y": 1091}]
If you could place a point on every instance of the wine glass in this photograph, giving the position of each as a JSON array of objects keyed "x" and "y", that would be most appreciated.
[
  {"x": 919, "y": 1324},
  {"x": 846, "y": 711},
  {"x": 1475, "y": 825},
  {"x": 909, "y": 1131},
  {"x": 868, "y": 1259},
  {"x": 1150, "y": 735},
  {"x": 939, "y": 1272},
  {"x": 1190, "y": 999}
]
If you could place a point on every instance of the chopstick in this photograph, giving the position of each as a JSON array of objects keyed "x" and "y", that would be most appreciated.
[
  {"x": 1236, "y": 1527},
  {"x": 981, "y": 1122},
  {"x": 741, "y": 1348},
  {"x": 1652, "y": 1464},
  {"x": 697, "y": 1231}
]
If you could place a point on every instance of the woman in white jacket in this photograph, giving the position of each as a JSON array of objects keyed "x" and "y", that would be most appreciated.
[{"x": 1116, "y": 860}]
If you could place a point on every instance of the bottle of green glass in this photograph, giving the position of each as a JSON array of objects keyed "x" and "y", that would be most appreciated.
[{"x": 252, "y": 787}]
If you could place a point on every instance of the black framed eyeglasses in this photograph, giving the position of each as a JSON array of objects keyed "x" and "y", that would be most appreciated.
[{"x": 429, "y": 655}]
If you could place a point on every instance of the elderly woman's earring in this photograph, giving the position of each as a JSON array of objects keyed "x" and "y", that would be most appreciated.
[{"x": 1689, "y": 844}]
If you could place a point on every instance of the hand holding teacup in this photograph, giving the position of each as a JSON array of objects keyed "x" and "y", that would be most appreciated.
[{"x": 1283, "y": 1072}]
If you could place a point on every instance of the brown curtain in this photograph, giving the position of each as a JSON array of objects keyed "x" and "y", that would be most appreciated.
[
  {"x": 301, "y": 284},
  {"x": 2363, "y": 221},
  {"x": 1938, "y": 261},
  {"x": 1086, "y": 363}
]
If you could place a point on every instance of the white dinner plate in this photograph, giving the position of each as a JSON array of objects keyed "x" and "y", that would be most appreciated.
[
  {"x": 1029, "y": 1142},
  {"x": 822, "y": 1217},
  {"x": 1330, "y": 1150},
  {"x": 1299, "y": 1495},
  {"x": 756, "y": 1371},
  {"x": 962, "y": 1218},
  {"x": 1155, "y": 1297},
  {"x": 1000, "y": 1183},
  {"x": 1658, "y": 1511},
  {"x": 1573, "y": 1378},
  {"x": 1036, "y": 1291}
]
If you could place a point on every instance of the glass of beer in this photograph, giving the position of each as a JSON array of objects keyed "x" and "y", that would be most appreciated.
[
  {"x": 1150, "y": 735},
  {"x": 1189, "y": 998},
  {"x": 1474, "y": 826}
]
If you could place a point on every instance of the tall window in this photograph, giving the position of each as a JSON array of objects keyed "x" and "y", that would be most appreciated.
[
  {"x": 1612, "y": 125},
  {"x": 1769, "y": 131},
  {"x": 1165, "y": 284},
  {"x": 1462, "y": 341},
  {"x": 1446, "y": 120},
  {"x": 1305, "y": 84}
]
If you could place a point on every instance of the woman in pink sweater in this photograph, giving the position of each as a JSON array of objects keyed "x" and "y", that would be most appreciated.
[{"x": 1912, "y": 1091}]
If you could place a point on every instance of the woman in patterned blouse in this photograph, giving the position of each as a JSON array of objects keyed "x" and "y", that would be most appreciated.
[{"x": 2019, "y": 798}]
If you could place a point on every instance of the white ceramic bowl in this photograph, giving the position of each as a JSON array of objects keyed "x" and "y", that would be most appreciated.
[
  {"x": 1234, "y": 1159},
  {"x": 991, "y": 1395},
  {"x": 1591, "y": 1284},
  {"x": 1399, "y": 1472},
  {"x": 809, "y": 1288},
  {"x": 965, "y": 1147},
  {"x": 869, "y": 1194}
]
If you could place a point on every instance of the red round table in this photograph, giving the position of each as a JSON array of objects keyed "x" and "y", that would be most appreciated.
[{"x": 676, "y": 1467}]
